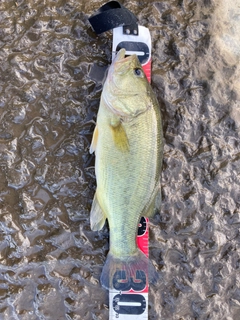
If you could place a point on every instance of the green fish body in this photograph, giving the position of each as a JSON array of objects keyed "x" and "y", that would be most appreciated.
[{"x": 128, "y": 144}]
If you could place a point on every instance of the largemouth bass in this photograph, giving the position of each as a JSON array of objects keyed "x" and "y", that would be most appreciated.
[{"x": 128, "y": 144}]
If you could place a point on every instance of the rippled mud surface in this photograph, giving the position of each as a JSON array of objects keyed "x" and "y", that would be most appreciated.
[{"x": 51, "y": 72}]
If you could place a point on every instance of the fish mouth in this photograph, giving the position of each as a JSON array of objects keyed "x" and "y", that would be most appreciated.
[
  {"x": 120, "y": 59},
  {"x": 121, "y": 56}
]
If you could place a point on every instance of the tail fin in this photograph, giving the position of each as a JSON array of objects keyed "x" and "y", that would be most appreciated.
[{"x": 132, "y": 272}]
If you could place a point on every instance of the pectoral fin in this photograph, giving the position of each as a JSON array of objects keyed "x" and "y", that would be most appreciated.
[
  {"x": 97, "y": 217},
  {"x": 120, "y": 137},
  {"x": 94, "y": 140}
]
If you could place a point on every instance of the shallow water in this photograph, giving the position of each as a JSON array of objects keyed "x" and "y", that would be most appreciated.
[{"x": 51, "y": 72}]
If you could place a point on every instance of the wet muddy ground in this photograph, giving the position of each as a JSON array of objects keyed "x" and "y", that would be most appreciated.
[{"x": 52, "y": 67}]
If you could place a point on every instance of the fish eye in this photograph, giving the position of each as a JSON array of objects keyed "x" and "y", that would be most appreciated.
[{"x": 138, "y": 72}]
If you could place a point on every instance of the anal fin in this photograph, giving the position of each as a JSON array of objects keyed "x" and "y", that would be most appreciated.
[
  {"x": 97, "y": 217},
  {"x": 94, "y": 140}
]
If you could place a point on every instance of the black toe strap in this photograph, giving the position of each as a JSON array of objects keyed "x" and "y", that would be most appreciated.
[{"x": 112, "y": 15}]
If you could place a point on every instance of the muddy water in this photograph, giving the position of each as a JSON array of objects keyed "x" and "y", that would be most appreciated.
[{"x": 51, "y": 72}]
